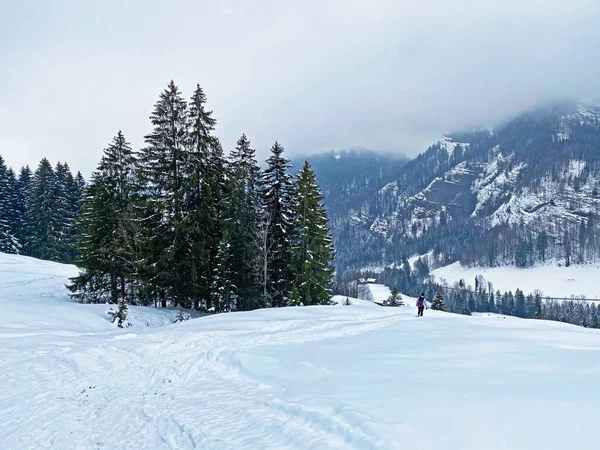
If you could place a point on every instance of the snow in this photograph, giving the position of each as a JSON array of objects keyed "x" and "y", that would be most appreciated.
[
  {"x": 34, "y": 297},
  {"x": 426, "y": 257},
  {"x": 552, "y": 280},
  {"x": 576, "y": 168},
  {"x": 326, "y": 377},
  {"x": 499, "y": 199},
  {"x": 379, "y": 292},
  {"x": 447, "y": 143},
  {"x": 390, "y": 188},
  {"x": 380, "y": 227}
]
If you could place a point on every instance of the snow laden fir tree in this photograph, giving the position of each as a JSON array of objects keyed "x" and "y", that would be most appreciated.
[
  {"x": 38, "y": 210},
  {"x": 180, "y": 223}
]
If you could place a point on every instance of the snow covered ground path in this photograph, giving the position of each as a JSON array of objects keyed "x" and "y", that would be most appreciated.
[{"x": 341, "y": 377}]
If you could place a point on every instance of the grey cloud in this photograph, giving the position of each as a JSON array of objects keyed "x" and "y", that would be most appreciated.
[{"x": 315, "y": 75}]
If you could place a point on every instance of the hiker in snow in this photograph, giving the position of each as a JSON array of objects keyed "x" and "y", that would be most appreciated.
[{"x": 421, "y": 304}]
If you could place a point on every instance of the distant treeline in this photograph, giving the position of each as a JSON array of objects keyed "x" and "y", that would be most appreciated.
[{"x": 462, "y": 298}]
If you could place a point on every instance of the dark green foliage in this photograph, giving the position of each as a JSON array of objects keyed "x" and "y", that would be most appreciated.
[
  {"x": 162, "y": 174},
  {"x": 276, "y": 196},
  {"x": 37, "y": 211},
  {"x": 67, "y": 194},
  {"x": 205, "y": 173},
  {"x": 243, "y": 219},
  {"x": 8, "y": 198},
  {"x": 537, "y": 311},
  {"x": 421, "y": 268},
  {"x": 395, "y": 299},
  {"x": 22, "y": 187},
  {"x": 519, "y": 310},
  {"x": 107, "y": 228},
  {"x": 43, "y": 221},
  {"x": 471, "y": 303},
  {"x": 311, "y": 247},
  {"x": 120, "y": 315},
  {"x": 438, "y": 303},
  {"x": 177, "y": 223}
]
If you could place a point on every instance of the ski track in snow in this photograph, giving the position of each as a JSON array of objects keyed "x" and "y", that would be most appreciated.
[{"x": 156, "y": 388}]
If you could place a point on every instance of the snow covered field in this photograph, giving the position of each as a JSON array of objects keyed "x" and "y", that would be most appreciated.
[
  {"x": 340, "y": 377},
  {"x": 379, "y": 292},
  {"x": 552, "y": 280}
]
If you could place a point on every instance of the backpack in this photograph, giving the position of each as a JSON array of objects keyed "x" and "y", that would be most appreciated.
[{"x": 420, "y": 302}]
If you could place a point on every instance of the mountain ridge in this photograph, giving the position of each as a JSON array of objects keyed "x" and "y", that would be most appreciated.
[{"x": 519, "y": 193}]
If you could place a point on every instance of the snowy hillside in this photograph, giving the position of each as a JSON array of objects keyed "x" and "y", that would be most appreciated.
[
  {"x": 33, "y": 297},
  {"x": 324, "y": 377},
  {"x": 552, "y": 280}
]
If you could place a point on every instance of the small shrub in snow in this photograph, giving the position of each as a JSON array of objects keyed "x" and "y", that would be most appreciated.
[
  {"x": 294, "y": 299},
  {"x": 395, "y": 299},
  {"x": 120, "y": 315},
  {"x": 181, "y": 316},
  {"x": 438, "y": 303}
]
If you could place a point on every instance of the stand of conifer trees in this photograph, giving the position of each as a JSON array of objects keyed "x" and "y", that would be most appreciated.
[
  {"x": 38, "y": 211},
  {"x": 179, "y": 223}
]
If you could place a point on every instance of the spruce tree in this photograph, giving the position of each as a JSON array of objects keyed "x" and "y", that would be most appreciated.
[
  {"x": 492, "y": 302},
  {"x": 276, "y": 189},
  {"x": 162, "y": 198},
  {"x": 312, "y": 249},
  {"x": 438, "y": 303},
  {"x": 224, "y": 290},
  {"x": 511, "y": 304},
  {"x": 66, "y": 211},
  {"x": 8, "y": 241},
  {"x": 395, "y": 299},
  {"x": 537, "y": 314},
  {"x": 471, "y": 303},
  {"x": 244, "y": 203},
  {"x": 22, "y": 187},
  {"x": 74, "y": 199},
  {"x": 106, "y": 244},
  {"x": 42, "y": 220},
  {"x": 14, "y": 217},
  {"x": 519, "y": 310},
  {"x": 79, "y": 184},
  {"x": 219, "y": 215},
  {"x": 120, "y": 315},
  {"x": 204, "y": 176}
]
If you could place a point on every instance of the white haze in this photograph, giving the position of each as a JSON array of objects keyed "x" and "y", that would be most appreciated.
[{"x": 315, "y": 75}]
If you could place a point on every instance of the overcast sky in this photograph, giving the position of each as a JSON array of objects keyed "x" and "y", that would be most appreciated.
[{"x": 314, "y": 75}]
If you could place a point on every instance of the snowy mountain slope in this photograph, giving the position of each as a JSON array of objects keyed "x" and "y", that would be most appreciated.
[
  {"x": 496, "y": 188},
  {"x": 524, "y": 192},
  {"x": 346, "y": 377}
]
